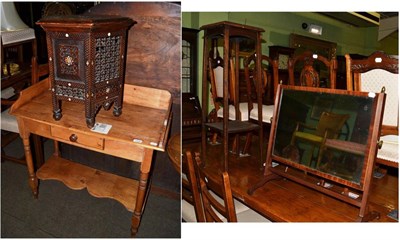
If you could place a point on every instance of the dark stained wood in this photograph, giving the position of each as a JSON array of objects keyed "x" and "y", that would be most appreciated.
[
  {"x": 153, "y": 57},
  {"x": 87, "y": 61},
  {"x": 228, "y": 31},
  {"x": 309, "y": 76},
  {"x": 191, "y": 117}
]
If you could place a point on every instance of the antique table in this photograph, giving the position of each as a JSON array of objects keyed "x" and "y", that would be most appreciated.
[
  {"x": 283, "y": 200},
  {"x": 174, "y": 151},
  {"x": 135, "y": 135}
]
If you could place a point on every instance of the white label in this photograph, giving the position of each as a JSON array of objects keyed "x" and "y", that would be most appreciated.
[
  {"x": 102, "y": 128},
  {"x": 353, "y": 195},
  {"x": 274, "y": 164}
]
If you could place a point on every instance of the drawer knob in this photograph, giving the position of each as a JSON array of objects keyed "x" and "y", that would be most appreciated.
[{"x": 73, "y": 137}]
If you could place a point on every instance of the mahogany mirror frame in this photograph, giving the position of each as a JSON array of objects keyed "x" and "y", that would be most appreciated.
[{"x": 280, "y": 167}]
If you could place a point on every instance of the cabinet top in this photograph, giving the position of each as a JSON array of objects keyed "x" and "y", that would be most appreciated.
[
  {"x": 85, "y": 22},
  {"x": 225, "y": 24}
]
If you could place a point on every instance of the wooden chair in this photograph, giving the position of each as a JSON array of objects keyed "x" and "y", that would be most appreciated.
[
  {"x": 216, "y": 80},
  {"x": 269, "y": 80},
  {"x": 372, "y": 74},
  {"x": 328, "y": 127},
  {"x": 9, "y": 125},
  {"x": 312, "y": 66},
  {"x": 217, "y": 200},
  {"x": 192, "y": 209}
]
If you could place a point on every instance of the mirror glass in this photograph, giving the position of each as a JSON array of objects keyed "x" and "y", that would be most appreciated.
[{"x": 324, "y": 131}]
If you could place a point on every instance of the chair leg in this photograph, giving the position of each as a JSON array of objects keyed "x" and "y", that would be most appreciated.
[
  {"x": 37, "y": 145},
  {"x": 214, "y": 139},
  {"x": 247, "y": 143},
  {"x": 6, "y": 139},
  {"x": 234, "y": 144},
  {"x": 5, "y": 157}
]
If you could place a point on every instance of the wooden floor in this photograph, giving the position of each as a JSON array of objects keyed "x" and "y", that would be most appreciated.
[{"x": 285, "y": 201}]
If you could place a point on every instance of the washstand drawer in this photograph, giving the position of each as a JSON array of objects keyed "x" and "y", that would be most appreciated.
[{"x": 78, "y": 137}]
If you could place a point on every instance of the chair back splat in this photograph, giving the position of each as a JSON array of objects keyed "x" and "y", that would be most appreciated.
[
  {"x": 316, "y": 70},
  {"x": 213, "y": 209}
]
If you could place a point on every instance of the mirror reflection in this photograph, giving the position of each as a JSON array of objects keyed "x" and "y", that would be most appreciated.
[{"x": 324, "y": 131}]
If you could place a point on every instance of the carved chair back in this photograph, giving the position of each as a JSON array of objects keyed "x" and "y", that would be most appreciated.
[
  {"x": 269, "y": 77},
  {"x": 310, "y": 75},
  {"x": 373, "y": 73}
]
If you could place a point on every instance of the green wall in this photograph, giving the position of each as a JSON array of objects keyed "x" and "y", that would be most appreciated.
[{"x": 279, "y": 25}]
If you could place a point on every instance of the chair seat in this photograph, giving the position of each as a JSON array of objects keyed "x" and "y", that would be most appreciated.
[
  {"x": 243, "y": 108},
  {"x": 188, "y": 213},
  {"x": 251, "y": 216},
  {"x": 7, "y": 93},
  {"x": 267, "y": 112},
  {"x": 308, "y": 136},
  {"x": 390, "y": 148},
  {"x": 9, "y": 122}
]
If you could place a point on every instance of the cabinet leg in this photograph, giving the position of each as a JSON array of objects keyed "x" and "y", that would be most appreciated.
[
  {"x": 140, "y": 202},
  {"x": 90, "y": 122},
  {"x": 57, "y": 114},
  {"x": 32, "y": 180},
  {"x": 117, "y": 111}
]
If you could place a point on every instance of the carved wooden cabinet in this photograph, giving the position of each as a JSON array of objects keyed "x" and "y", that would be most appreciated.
[{"x": 87, "y": 57}]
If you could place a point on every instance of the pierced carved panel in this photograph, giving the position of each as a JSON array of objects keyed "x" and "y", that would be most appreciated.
[
  {"x": 107, "y": 58},
  {"x": 71, "y": 92}
]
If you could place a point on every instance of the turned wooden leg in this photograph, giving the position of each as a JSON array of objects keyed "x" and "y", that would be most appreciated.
[
  {"x": 140, "y": 201},
  {"x": 57, "y": 152},
  {"x": 143, "y": 191},
  {"x": 247, "y": 143},
  {"x": 32, "y": 180}
]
